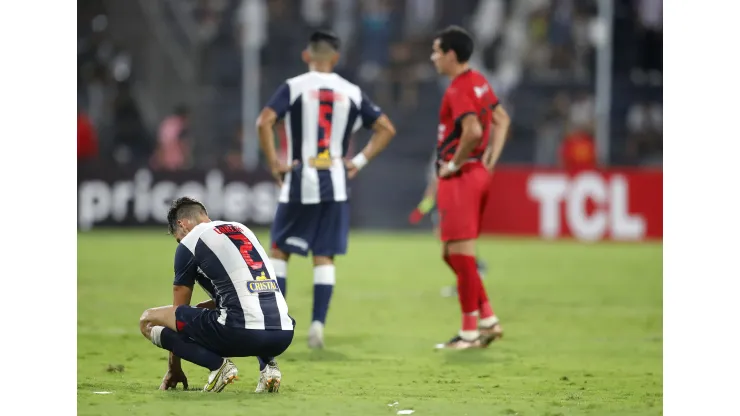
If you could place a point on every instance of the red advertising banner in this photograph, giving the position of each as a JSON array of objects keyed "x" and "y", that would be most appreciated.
[{"x": 615, "y": 204}]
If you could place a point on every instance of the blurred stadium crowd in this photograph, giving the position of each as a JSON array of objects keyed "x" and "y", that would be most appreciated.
[{"x": 160, "y": 81}]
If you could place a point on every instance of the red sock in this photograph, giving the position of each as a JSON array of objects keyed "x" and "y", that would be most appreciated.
[
  {"x": 484, "y": 306},
  {"x": 468, "y": 285}
]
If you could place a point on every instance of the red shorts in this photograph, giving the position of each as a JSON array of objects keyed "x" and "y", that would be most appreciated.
[{"x": 461, "y": 200}]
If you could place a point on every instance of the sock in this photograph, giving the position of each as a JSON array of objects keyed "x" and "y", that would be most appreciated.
[
  {"x": 323, "y": 287},
  {"x": 186, "y": 349},
  {"x": 263, "y": 361},
  {"x": 281, "y": 272},
  {"x": 468, "y": 289}
]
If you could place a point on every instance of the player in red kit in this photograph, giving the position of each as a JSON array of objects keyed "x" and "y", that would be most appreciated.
[{"x": 471, "y": 135}]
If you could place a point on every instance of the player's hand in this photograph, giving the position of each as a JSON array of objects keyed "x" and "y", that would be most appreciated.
[
  {"x": 279, "y": 169},
  {"x": 488, "y": 161},
  {"x": 173, "y": 377},
  {"x": 351, "y": 169},
  {"x": 415, "y": 216},
  {"x": 445, "y": 171}
]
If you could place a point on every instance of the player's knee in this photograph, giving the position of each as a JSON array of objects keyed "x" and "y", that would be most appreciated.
[
  {"x": 322, "y": 260},
  {"x": 145, "y": 323}
]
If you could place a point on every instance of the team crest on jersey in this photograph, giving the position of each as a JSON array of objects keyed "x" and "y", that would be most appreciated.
[{"x": 321, "y": 161}]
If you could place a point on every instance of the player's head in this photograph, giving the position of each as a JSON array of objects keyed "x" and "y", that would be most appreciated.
[
  {"x": 452, "y": 47},
  {"x": 322, "y": 49},
  {"x": 184, "y": 214}
]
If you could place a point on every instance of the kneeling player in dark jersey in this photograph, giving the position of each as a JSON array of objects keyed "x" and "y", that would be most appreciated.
[{"x": 247, "y": 315}]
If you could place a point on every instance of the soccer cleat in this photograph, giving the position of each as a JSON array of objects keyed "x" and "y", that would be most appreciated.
[
  {"x": 270, "y": 379},
  {"x": 316, "y": 335},
  {"x": 458, "y": 343},
  {"x": 218, "y": 379},
  {"x": 490, "y": 334}
]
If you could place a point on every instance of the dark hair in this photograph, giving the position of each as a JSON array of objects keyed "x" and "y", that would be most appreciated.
[
  {"x": 183, "y": 207},
  {"x": 325, "y": 36},
  {"x": 456, "y": 39}
]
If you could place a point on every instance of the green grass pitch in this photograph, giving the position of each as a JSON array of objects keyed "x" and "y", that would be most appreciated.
[{"x": 583, "y": 332}]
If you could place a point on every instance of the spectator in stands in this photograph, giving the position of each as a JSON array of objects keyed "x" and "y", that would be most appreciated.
[
  {"x": 578, "y": 151},
  {"x": 87, "y": 140},
  {"x": 551, "y": 131},
  {"x": 173, "y": 144},
  {"x": 650, "y": 35},
  {"x": 645, "y": 134}
]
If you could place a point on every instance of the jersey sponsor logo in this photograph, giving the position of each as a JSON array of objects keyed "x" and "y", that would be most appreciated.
[
  {"x": 262, "y": 285},
  {"x": 479, "y": 91},
  {"x": 322, "y": 161}
]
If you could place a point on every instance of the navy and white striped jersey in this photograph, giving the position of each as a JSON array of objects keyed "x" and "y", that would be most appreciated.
[
  {"x": 229, "y": 263},
  {"x": 321, "y": 111}
]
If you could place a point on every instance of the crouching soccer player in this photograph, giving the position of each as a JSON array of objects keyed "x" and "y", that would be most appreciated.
[{"x": 247, "y": 315}]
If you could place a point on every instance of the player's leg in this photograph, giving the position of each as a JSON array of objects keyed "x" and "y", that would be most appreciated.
[
  {"x": 276, "y": 342},
  {"x": 458, "y": 231},
  {"x": 291, "y": 231},
  {"x": 266, "y": 345},
  {"x": 162, "y": 327},
  {"x": 333, "y": 222},
  {"x": 489, "y": 325}
]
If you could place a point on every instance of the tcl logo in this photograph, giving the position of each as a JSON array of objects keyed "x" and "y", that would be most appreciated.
[{"x": 607, "y": 211}]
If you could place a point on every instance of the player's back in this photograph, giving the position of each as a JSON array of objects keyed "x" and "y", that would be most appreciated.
[
  {"x": 468, "y": 93},
  {"x": 321, "y": 112},
  {"x": 242, "y": 279}
]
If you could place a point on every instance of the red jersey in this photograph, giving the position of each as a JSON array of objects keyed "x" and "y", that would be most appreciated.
[{"x": 469, "y": 93}]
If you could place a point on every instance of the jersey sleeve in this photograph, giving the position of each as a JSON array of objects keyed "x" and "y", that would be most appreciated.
[
  {"x": 492, "y": 99},
  {"x": 280, "y": 100},
  {"x": 186, "y": 271},
  {"x": 460, "y": 104},
  {"x": 369, "y": 112}
]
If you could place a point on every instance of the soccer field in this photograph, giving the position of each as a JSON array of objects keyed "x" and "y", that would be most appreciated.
[{"x": 583, "y": 333}]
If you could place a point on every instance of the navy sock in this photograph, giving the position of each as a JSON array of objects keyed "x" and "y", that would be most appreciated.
[
  {"x": 323, "y": 287},
  {"x": 263, "y": 361},
  {"x": 283, "y": 284},
  {"x": 321, "y": 299},
  {"x": 189, "y": 350}
]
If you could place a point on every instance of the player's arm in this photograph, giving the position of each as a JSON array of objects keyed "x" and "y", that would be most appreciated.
[
  {"x": 383, "y": 131},
  {"x": 470, "y": 138},
  {"x": 499, "y": 131},
  {"x": 275, "y": 109},
  {"x": 465, "y": 114},
  {"x": 207, "y": 304},
  {"x": 182, "y": 289}
]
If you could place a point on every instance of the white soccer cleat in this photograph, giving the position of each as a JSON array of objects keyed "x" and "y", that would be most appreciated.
[
  {"x": 270, "y": 379},
  {"x": 316, "y": 335},
  {"x": 218, "y": 379}
]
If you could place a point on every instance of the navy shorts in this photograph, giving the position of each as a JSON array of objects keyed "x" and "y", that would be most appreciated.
[
  {"x": 201, "y": 326},
  {"x": 321, "y": 229}
]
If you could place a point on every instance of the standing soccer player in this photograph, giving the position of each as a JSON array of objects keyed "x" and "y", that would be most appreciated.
[
  {"x": 321, "y": 111},
  {"x": 470, "y": 112}
]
